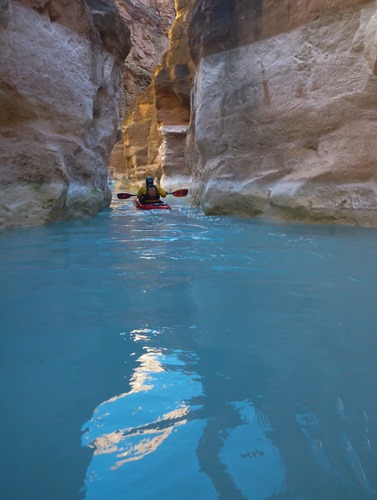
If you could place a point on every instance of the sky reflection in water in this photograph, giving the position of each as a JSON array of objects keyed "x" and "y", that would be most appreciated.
[
  {"x": 162, "y": 414},
  {"x": 154, "y": 411}
]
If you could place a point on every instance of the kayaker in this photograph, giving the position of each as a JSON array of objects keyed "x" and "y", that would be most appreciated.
[{"x": 150, "y": 192}]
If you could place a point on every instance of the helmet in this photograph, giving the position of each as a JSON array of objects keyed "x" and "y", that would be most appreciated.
[{"x": 149, "y": 181}]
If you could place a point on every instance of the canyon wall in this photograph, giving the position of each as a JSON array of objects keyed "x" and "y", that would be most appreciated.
[
  {"x": 173, "y": 84},
  {"x": 281, "y": 121},
  {"x": 149, "y": 22},
  {"x": 60, "y": 90},
  {"x": 284, "y": 109},
  {"x": 154, "y": 131}
]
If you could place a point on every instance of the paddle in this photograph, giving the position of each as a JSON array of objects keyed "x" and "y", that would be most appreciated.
[{"x": 179, "y": 193}]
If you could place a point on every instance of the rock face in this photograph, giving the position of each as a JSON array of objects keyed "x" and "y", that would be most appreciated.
[
  {"x": 284, "y": 116},
  {"x": 60, "y": 90},
  {"x": 149, "y": 23},
  {"x": 173, "y": 85},
  {"x": 141, "y": 140},
  {"x": 154, "y": 132}
]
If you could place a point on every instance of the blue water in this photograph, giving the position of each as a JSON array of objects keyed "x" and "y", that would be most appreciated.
[{"x": 169, "y": 355}]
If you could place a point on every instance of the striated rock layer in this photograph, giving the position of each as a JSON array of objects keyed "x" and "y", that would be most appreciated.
[
  {"x": 154, "y": 132},
  {"x": 149, "y": 22},
  {"x": 173, "y": 85},
  {"x": 60, "y": 90},
  {"x": 284, "y": 117}
]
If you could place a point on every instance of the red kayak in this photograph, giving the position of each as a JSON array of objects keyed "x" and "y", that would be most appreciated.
[{"x": 152, "y": 206}]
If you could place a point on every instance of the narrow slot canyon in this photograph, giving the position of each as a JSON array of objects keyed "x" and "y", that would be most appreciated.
[
  {"x": 219, "y": 342},
  {"x": 263, "y": 109}
]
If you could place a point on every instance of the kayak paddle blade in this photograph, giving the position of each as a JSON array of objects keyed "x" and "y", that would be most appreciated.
[
  {"x": 125, "y": 196},
  {"x": 180, "y": 193}
]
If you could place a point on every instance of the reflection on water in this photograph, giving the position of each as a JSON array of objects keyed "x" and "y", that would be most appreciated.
[
  {"x": 163, "y": 415},
  {"x": 130, "y": 427},
  {"x": 249, "y": 451},
  {"x": 350, "y": 473}
]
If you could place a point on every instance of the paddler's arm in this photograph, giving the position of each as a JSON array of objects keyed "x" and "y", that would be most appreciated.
[
  {"x": 142, "y": 190},
  {"x": 161, "y": 191}
]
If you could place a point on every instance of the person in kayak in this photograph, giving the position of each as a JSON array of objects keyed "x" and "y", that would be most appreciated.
[{"x": 150, "y": 192}]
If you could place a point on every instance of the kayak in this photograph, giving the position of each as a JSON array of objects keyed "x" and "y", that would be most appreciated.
[{"x": 152, "y": 206}]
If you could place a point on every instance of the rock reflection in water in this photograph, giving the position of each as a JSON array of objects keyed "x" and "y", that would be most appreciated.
[
  {"x": 132, "y": 426},
  {"x": 159, "y": 436}
]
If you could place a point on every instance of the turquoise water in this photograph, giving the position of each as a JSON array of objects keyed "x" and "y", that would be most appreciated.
[{"x": 169, "y": 355}]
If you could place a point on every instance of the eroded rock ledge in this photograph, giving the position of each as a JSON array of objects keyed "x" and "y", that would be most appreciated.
[
  {"x": 60, "y": 85},
  {"x": 284, "y": 115}
]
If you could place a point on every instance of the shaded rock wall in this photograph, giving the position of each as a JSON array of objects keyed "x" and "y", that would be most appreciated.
[
  {"x": 149, "y": 23},
  {"x": 284, "y": 109},
  {"x": 60, "y": 90}
]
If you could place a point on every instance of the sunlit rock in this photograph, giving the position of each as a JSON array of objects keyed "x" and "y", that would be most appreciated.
[
  {"x": 149, "y": 24},
  {"x": 60, "y": 86},
  {"x": 175, "y": 172},
  {"x": 285, "y": 109},
  {"x": 141, "y": 139},
  {"x": 159, "y": 119}
]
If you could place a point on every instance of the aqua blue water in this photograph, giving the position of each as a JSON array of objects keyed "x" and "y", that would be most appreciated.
[{"x": 169, "y": 355}]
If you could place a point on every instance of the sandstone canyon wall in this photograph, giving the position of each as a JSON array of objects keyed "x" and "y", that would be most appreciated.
[
  {"x": 60, "y": 89},
  {"x": 173, "y": 84},
  {"x": 284, "y": 109},
  {"x": 154, "y": 132},
  {"x": 149, "y": 22},
  {"x": 281, "y": 121}
]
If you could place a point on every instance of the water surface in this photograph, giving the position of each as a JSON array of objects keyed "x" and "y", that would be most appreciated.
[{"x": 165, "y": 355}]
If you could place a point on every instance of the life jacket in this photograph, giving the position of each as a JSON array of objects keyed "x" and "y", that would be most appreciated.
[{"x": 152, "y": 193}]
